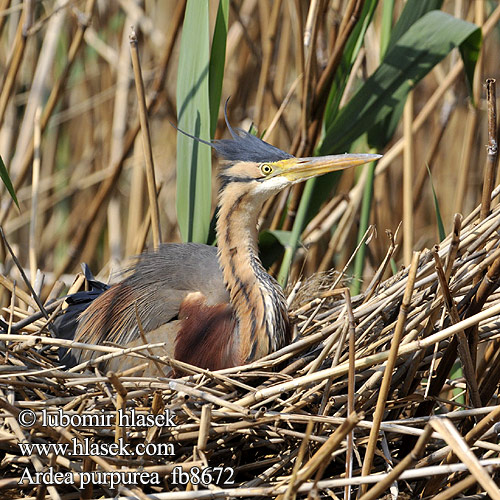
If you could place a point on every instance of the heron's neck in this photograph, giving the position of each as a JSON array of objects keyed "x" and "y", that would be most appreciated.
[{"x": 258, "y": 301}]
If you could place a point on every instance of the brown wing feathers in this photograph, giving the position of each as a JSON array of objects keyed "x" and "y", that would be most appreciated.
[{"x": 207, "y": 334}]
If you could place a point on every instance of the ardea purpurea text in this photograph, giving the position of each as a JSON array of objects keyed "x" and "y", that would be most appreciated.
[{"x": 213, "y": 307}]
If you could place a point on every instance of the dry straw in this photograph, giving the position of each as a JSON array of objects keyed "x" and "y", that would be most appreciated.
[
  {"x": 362, "y": 403},
  {"x": 254, "y": 418}
]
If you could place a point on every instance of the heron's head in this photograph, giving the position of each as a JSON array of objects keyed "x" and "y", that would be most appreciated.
[
  {"x": 258, "y": 170},
  {"x": 262, "y": 170}
]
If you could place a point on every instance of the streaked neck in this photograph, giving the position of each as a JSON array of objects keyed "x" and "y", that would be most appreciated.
[{"x": 258, "y": 301}]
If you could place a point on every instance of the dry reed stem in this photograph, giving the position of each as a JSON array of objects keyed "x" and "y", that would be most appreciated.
[
  {"x": 35, "y": 184},
  {"x": 315, "y": 109},
  {"x": 13, "y": 63},
  {"x": 146, "y": 141},
  {"x": 408, "y": 172},
  {"x": 267, "y": 54},
  {"x": 309, "y": 43},
  {"x": 292, "y": 487},
  {"x": 310, "y": 380},
  {"x": 471, "y": 438},
  {"x": 344, "y": 228},
  {"x": 177, "y": 386},
  {"x": 205, "y": 421},
  {"x": 323, "y": 86},
  {"x": 460, "y": 448},
  {"x": 377, "y": 277},
  {"x": 325, "y": 451},
  {"x": 403, "y": 465},
  {"x": 351, "y": 389},
  {"x": 492, "y": 149},
  {"x": 52, "y": 101},
  {"x": 463, "y": 345},
  {"x": 121, "y": 403},
  {"x": 453, "y": 491},
  {"x": 388, "y": 372},
  {"x": 107, "y": 187},
  {"x": 466, "y": 158},
  {"x": 423, "y": 174},
  {"x": 23, "y": 275},
  {"x": 10, "y": 285}
]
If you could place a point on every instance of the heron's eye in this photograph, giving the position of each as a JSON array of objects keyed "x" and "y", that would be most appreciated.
[{"x": 266, "y": 169}]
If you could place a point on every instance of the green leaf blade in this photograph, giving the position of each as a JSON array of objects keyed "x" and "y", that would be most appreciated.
[
  {"x": 4, "y": 175},
  {"x": 439, "y": 219},
  {"x": 416, "y": 52},
  {"x": 217, "y": 61},
  {"x": 412, "y": 12},
  {"x": 194, "y": 162}
]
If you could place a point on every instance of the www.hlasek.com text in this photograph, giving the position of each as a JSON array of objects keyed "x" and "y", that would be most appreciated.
[{"x": 86, "y": 447}]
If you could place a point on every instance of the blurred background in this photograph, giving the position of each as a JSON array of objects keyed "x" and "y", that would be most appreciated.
[{"x": 71, "y": 143}]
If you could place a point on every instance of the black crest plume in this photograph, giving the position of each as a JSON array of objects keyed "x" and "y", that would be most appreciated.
[{"x": 243, "y": 146}]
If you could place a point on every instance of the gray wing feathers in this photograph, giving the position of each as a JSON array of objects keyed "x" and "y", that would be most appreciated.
[
  {"x": 156, "y": 284},
  {"x": 181, "y": 266}
]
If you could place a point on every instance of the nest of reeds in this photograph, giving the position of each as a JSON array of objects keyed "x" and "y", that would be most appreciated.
[{"x": 361, "y": 403}]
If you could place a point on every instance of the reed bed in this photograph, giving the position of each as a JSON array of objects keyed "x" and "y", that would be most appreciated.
[
  {"x": 364, "y": 375},
  {"x": 390, "y": 388}
]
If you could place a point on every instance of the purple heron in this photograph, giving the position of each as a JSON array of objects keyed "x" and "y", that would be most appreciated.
[{"x": 211, "y": 307}]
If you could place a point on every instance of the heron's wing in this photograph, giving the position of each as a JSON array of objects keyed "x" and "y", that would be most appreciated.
[
  {"x": 151, "y": 295},
  {"x": 64, "y": 326}
]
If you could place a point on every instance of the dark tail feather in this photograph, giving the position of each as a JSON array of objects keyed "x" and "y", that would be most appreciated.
[{"x": 65, "y": 324}]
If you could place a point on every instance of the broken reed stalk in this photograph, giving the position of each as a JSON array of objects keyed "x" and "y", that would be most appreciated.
[
  {"x": 205, "y": 421},
  {"x": 463, "y": 345},
  {"x": 388, "y": 371},
  {"x": 492, "y": 149},
  {"x": 121, "y": 404},
  {"x": 454, "y": 244},
  {"x": 146, "y": 140}
]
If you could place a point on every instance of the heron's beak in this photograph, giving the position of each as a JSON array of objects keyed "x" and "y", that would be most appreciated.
[{"x": 301, "y": 169}]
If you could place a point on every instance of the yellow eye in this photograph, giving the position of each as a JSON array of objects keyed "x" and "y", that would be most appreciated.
[{"x": 266, "y": 169}]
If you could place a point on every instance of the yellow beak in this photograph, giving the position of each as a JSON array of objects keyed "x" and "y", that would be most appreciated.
[{"x": 301, "y": 169}]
